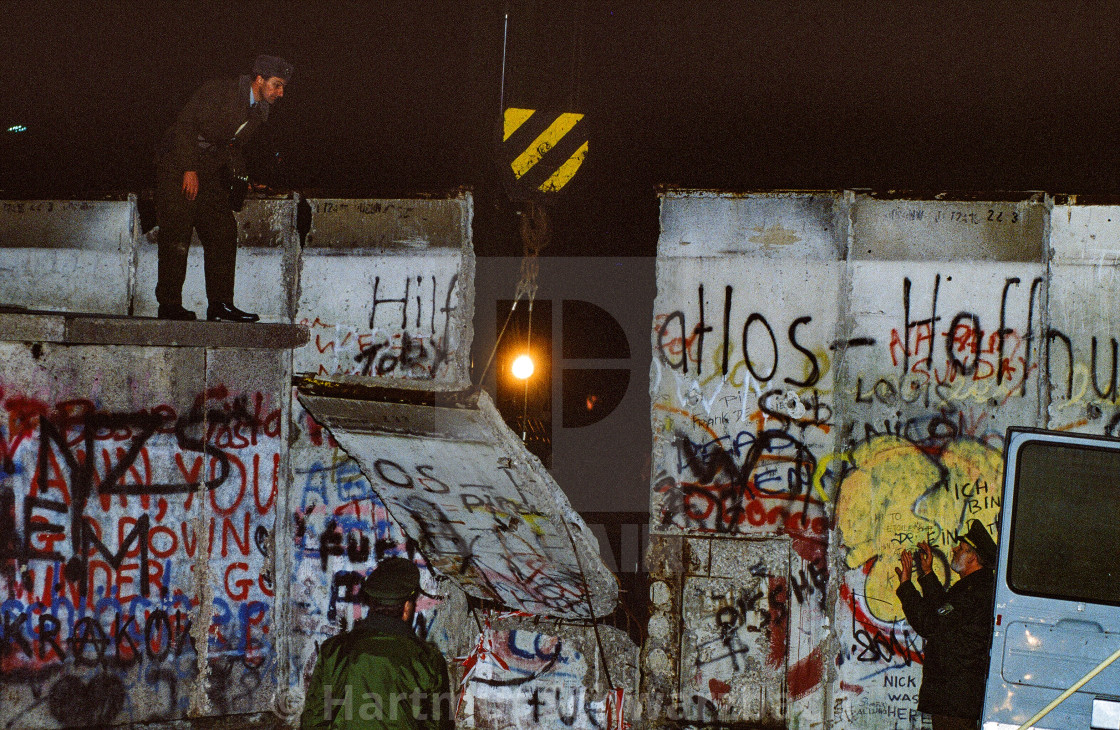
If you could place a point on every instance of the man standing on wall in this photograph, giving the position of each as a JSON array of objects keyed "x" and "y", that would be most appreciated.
[
  {"x": 381, "y": 674},
  {"x": 200, "y": 156},
  {"x": 956, "y": 625}
]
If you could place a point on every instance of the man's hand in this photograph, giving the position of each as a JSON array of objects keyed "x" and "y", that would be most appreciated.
[
  {"x": 925, "y": 558},
  {"x": 190, "y": 184},
  {"x": 907, "y": 568}
]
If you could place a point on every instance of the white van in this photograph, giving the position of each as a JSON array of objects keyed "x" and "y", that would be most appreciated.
[{"x": 1057, "y": 599}]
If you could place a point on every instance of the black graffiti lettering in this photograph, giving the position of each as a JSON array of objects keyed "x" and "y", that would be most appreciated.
[
  {"x": 33, "y": 526},
  {"x": 437, "y": 531},
  {"x": 14, "y": 636},
  {"x": 726, "y": 327},
  {"x": 330, "y": 543},
  {"x": 1004, "y": 330},
  {"x": 357, "y": 547},
  {"x": 388, "y": 361},
  {"x": 403, "y": 301},
  {"x": 157, "y": 635},
  {"x": 382, "y": 464},
  {"x": 886, "y": 392},
  {"x": 1110, "y": 392},
  {"x": 1051, "y": 335},
  {"x": 77, "y": 568},
  {"x": 809, "y": 581},
  {"x": 88, "y": 632},
  {"x": 859, "y": 392},
  {"x": 815, "y": 372},
  {"x": 756, "y": 317},
  {"x": 442, "y": 348},
  {"x": 699, "y": 331},
  {"x": 344, "y": 589},
  {"x": 873, "y": 646},
  {"x": 49, "y": 626},
  {"x": 183, "y": 623},
  {"x": 368, "y": 356},
  {"x": 817, "y": 412},
  {"x": 908, "y": 324},
  {"x": 711, "y": 464},
  {"x": 535, "y": 702},
  {"x": 570, "y": 718},
  {"x": 956, "y": 365},
  {"x": 146, "y": 423}
]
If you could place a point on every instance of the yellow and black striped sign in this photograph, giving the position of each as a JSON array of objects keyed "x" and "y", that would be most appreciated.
[{"x": 542, "y": 151}]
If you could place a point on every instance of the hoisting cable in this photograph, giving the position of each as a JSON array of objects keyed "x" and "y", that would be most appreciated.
[
  {"x": 525, "y": 394},
  {"x": 590, "y": 607},
  {"x": 534, "y": 237}
]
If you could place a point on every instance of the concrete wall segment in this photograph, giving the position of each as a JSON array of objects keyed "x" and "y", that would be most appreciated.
[
  {"x": 555, "y": 676},
  {"x": 165, "y": 614},
  {"x": 389, "y": 226},
  {"x": 1085, "y": 234},
  {"x": 51, "y": 250},
  {"x": 100, "y": 225},
  {"x": 387, "y": 287},
  {"x": 766, "y": 225},
  {"x": 267, "y": 263},
  {"x": 905, "y": 229},
  {"x": 744, "y": 420},
  {"x": 1080, "y": 335},
  {"x": 950, "y": 298}
]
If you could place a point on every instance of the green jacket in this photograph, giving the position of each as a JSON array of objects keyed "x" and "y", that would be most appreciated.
[{"x": 379, "y": 675}]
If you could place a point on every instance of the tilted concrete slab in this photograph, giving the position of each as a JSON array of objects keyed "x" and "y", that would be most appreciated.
[{"x": 483, "y": 509}]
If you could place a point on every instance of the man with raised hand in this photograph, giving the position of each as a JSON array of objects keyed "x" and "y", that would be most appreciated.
[{"x": 956, "y": 625}]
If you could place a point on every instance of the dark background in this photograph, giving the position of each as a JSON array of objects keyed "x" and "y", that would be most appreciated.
[{"x": 404, "y": 97}]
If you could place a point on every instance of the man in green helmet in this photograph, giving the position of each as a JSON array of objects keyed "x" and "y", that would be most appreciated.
[{"x": 381, "y": 674}]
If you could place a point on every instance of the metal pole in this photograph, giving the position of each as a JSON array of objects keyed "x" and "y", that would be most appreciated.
[
  {"x": 502, "y": 93},
  {"x": 1077, "y": 685}
]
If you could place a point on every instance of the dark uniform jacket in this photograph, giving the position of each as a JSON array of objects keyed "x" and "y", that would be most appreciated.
[
  {"x": 381, "y": 664},
  {"x": 957, "y": 628},
  {"x": 200, "y": 138}
]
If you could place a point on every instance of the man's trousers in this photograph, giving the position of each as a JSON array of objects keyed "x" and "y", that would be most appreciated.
[{"x": 209, "y": 214}]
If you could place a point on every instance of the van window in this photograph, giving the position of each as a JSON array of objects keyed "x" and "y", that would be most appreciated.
[{"x": 1065, "y": 529}]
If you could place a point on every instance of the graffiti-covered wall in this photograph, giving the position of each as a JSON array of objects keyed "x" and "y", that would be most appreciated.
[
  {"x": 387, "y": 288},
  {"x": 833, "y": 375},
  {"x": 139, "y": 493}
]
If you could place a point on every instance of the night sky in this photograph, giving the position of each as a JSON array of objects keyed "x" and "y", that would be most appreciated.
[{"x": 404, "y": 97}]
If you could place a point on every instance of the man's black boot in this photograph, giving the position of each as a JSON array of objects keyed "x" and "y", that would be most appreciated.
[
  {"x": 176, "y": 312},
  {"x": 222, "y": 312}
]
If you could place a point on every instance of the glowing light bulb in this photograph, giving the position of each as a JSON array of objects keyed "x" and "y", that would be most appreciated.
[{"x": 522, "y": 367}]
